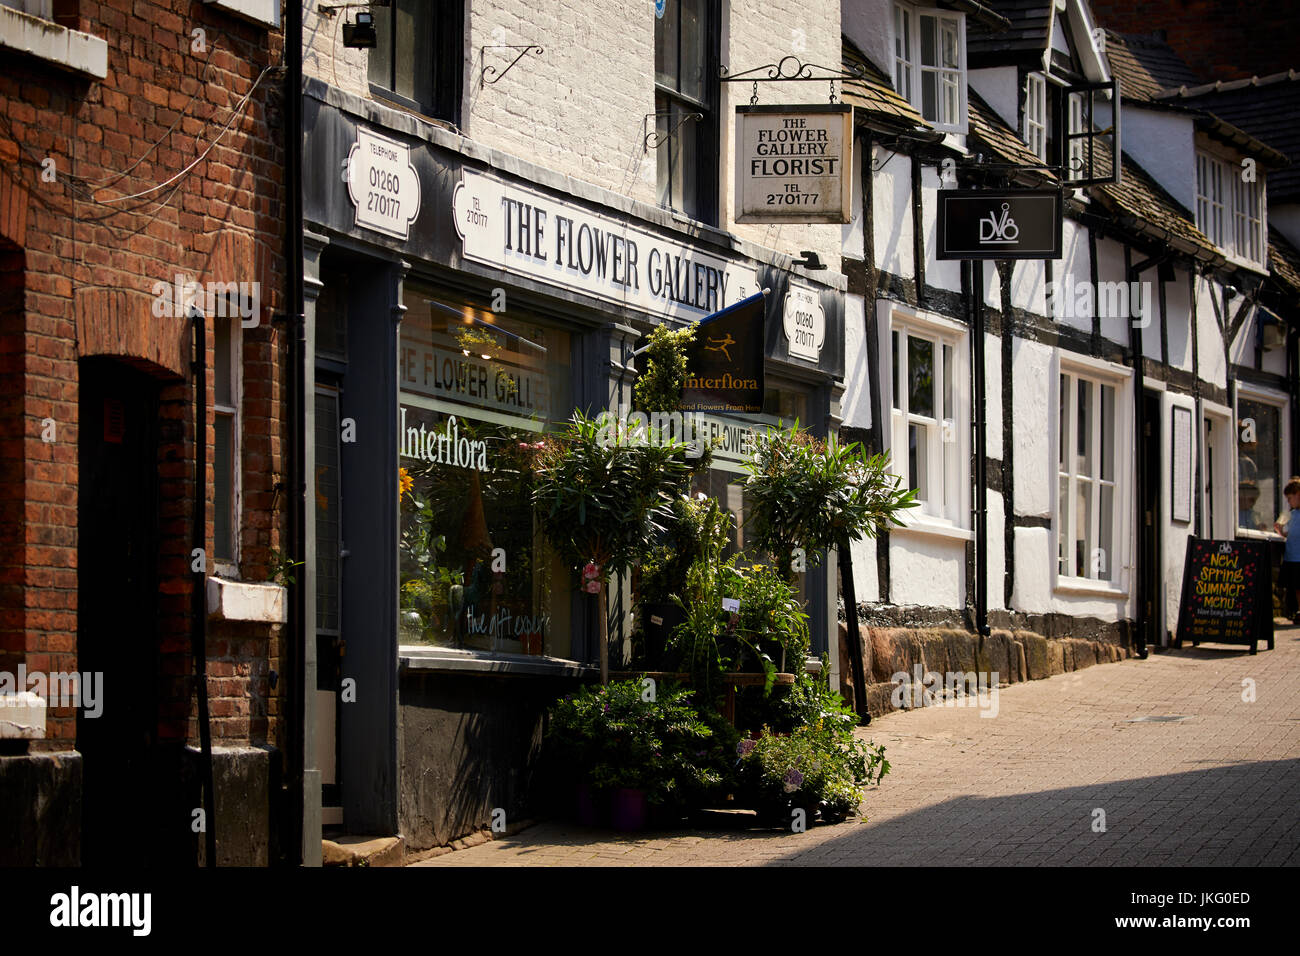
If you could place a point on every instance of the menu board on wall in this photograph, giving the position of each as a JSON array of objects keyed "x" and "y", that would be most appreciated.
[{"x": 1227, "y": 593}]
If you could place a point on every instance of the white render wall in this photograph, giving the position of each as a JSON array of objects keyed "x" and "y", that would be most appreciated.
[{"x": 581, "y": 107}]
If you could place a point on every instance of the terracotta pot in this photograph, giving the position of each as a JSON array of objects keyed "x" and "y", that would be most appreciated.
[{"x": 585, "y": 805}]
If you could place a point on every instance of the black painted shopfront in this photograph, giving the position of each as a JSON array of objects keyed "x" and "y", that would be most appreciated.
[{"x": 460, "y": 303}]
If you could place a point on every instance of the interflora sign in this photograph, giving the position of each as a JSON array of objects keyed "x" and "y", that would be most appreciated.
[
  {"x": 383, "y": 184},
  {"x": 794, "y": 163},
  {"x": 989, "y": 224}
]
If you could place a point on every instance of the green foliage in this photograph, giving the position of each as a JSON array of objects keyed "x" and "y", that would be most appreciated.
[
  {"x": 818, "y": 767},
  {"x": 810, "y": 494},
  {"x": 600, "y": 500},
  {"x": 280, "y": 566},
  {"x": 617, "y": 736},
  {"x": 659, "y": 387},
  {"x": 695, "y": 529}
]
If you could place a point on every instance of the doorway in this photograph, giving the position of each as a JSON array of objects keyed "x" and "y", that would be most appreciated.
[
  {"x": 117, "y": 618},
  {"x": 1151, "y": 527}
]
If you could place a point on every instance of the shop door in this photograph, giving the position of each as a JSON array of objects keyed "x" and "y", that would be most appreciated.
[
  {"x": 117, "y": 554},
  {"x": 1151, "y": 526},
  {"x": 329, "y": 635}
]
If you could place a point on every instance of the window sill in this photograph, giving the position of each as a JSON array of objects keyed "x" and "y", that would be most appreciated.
[
  {"x": 451, "y": 660},
  {"x": 1091, "y": 588},
  {"x": 242, "y": 601},
  {"x": 1259, "y": 535},
  {"x": 69, "y": 49},
  {"x": 933, "y": 528},
  {"x": 263, "y": 12}
]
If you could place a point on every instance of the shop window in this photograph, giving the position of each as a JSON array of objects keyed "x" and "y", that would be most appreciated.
[
  {"x": 225, "y": 453},
  {"x": 1259, "y": 464},
  {"x": 476, "y": 389},
  {"x": 930, "y": 64},
  {"x": 419, "y": 55},
  {"x": 1086, "y": 512},
  {"x": 686, "y": 57},
  {"x": 1035, "y": 115},
  {"x": 928, "y": 416}
]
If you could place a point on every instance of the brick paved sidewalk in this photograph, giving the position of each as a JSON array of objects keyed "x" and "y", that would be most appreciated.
[{"x": 1024, "y": 787}]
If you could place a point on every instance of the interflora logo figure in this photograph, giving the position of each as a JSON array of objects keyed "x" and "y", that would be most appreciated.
[
  {"x": 999, "y": 230},
  {"x": 722, "y": 345}
]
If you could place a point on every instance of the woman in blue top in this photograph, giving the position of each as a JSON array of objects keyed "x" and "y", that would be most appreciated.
[{"x": 1290, "y": 576}]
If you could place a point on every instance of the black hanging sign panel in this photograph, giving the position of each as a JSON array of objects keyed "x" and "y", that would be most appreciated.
[
  {"x": 1227, "y": 593},
  {"x": 725, "y": 361},
  {"x": 999, "y": 224}
]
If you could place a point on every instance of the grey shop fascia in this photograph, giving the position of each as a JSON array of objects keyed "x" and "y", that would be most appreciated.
[{"x": 390, "y": 200}]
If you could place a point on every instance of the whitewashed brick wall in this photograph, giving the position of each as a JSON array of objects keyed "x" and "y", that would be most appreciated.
[{"x": 580, "y": 108}]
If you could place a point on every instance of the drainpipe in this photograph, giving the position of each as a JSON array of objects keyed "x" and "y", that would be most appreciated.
[
  {"x": 199, "y": 592},
  {"x": 299, "y": 628},
  {"x": 981, "y": 469}
]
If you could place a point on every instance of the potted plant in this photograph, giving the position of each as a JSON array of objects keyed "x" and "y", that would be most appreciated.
[
  {"x": 598, "y": 500},
  {"x": 631, "y": 746}
]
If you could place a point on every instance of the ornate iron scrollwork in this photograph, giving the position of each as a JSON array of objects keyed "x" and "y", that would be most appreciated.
[
  {"x": 486, "y": 71},
  {"x": 790, "y": 69}
]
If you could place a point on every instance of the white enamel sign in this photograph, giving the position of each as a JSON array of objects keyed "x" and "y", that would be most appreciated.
[
  {"x": 794, "y": 163},
  {"x": 805, "y": 323},
  {"x": 383, "y": 184},
  {"x": 529, "y": 233}
]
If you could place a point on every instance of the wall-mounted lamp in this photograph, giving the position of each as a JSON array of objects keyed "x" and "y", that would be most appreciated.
[{"x": 810, "y": 260}]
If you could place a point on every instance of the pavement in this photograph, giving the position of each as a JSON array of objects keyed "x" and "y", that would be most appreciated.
[{"x": 1065, "y": 772}]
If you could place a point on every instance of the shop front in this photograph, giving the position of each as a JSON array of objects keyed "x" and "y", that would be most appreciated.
[{"x": 462, "y": 303}]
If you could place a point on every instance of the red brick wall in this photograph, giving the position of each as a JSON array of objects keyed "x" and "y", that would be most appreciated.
[
  {"x": 1218, "y": 39},
  {"x": 77, "y": 274}
]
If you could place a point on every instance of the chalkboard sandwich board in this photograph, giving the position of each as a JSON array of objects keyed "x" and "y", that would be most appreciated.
[{"x": 1227, "y": 594}]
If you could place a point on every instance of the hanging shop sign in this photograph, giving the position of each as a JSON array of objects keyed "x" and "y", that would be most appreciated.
[
  {"x": 725, "y": 361},
  {"x": 382, "y": 184},
  {"x": 989, "y": 224},
  {"x": 1227, "y": 593},
  {"x": 805, "y": 323},
  {"x": 528, "y": 233},
  {"x": 794, "y": 163}
]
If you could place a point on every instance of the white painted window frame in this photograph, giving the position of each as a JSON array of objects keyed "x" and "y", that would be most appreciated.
[
  {"x": 1114, "y": 583},
  {"x": 1263, "y": 396},
  {"x": 1218, "y": 471},
  {"x": 1231, "y": 212},
  {"x": 910, "y": 70},
  {"x": 948, "y": 460},
  {"x": 1035, "y": 114}
]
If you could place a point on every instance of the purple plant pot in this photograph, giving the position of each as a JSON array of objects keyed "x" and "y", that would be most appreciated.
[
  {"x": 586, "y": 806},
  {"x": 629, "y": 810}
]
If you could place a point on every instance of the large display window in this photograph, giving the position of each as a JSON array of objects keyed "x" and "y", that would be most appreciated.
[{"x": 476, "y": 390}]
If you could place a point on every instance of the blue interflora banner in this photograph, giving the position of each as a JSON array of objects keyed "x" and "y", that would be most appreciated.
[{"x": 725, "y": 362}]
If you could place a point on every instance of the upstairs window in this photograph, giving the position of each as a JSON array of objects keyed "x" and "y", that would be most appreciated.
[
  {"x": 930, "y": 64},
  {"x": 419, "y": 55},
  {"x": 686, "y": 58},
  {"x": 1035, "y": 127},
  {"x": 1230, "y": 210},
  {"x": 226, "y": 368}
]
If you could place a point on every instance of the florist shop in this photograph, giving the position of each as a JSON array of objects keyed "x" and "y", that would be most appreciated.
[{"x": 461, "y": 306}]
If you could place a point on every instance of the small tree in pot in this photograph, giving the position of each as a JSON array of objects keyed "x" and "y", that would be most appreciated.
[
  {"x": 600, "y": 496},
  {"x": 808, "y": 495}
]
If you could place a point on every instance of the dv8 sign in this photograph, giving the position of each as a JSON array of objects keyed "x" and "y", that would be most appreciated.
[{"x": 382, "y": 184}]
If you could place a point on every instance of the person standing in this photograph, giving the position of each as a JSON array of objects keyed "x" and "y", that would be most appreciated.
[{"x": 1290, "y": 576}]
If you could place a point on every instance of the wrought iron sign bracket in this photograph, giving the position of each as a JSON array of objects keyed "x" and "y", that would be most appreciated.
[
  {"x": 490, "y": 74},
  {"x": 653, "y": 138},
  {"x": 790, "y": 69}
]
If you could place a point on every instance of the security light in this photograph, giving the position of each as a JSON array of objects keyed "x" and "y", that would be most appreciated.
[{"x": 361, "y": 35}]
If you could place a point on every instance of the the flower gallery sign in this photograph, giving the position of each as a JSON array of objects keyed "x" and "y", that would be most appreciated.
[{"x": 526, "y": 232}]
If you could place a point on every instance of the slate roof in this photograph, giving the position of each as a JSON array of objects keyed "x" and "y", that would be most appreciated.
[
  {"x": 1140, "y": 203},
  {"x": 990, "y": 130},
  {"x": 1027, "y": 34},
  {"x": 1145, "y": 65},
  {"x": 1283, "y": 260},
  {"x": 1268, "y": 108}
]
